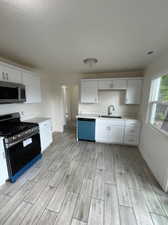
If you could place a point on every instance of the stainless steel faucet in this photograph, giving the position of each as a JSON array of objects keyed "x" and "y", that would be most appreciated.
[{"x": 111, "y": 108}]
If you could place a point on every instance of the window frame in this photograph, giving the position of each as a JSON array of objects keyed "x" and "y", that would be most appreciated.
[{"x": 154, "y": 101}]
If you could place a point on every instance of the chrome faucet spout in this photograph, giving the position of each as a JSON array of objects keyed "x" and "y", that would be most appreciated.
[{"x": 111, "y": 108}]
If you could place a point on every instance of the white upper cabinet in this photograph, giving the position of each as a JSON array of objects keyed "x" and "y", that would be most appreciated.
[
  {"x": 33, "y": 89},
  {"x": 89, "y": 91},
  {"x": 112, "y": 84},
  {"x": 10, "y": 74},
  {"x": 134, "y": 91}
]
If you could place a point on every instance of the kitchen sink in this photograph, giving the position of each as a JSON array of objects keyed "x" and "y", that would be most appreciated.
[{"x": 112, "y": 117}]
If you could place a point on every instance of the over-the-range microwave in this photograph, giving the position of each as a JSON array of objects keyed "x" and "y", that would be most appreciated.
[{"x": 12, "y": 92}]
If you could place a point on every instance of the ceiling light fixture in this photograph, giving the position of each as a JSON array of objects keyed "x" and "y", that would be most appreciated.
[
  {"x": 90, "y": 61},
  {"x": 150, "y": 52}
]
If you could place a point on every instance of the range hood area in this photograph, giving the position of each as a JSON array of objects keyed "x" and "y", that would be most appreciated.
[{"x": 12, "y": 93}]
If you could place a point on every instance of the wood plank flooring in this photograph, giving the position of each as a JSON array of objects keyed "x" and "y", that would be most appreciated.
[{"x": 83, "y": 183}]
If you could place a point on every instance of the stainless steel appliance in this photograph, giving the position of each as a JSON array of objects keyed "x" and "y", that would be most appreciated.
[
  {"x": 21, "y": 142},
  {"x": 12, "y": 92}
]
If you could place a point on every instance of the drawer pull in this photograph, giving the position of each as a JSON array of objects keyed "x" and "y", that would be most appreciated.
[
  {"x": 111, "y": 85},
  {"x": 132, "y": 131},
  {"x": 131, "y": 140},
  {"x": 108, "y": 128}
]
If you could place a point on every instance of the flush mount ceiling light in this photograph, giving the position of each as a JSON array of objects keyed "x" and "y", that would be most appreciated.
[
  {"x": 90, "y": 61},
  {"x": 151, "y": 52}
]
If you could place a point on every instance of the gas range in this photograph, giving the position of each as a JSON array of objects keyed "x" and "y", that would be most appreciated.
[
  {"x": 21, "y": 142},
  {"x": 14, "y": 131}
]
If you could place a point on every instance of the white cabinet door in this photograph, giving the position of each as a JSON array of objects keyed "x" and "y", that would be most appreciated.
[
  {"x": 117, "y": 84},
  {"x": 9, "y": 74},
  {"x": 102, "y": 129},
  {"x": 107, "y": 132},
  {"x": 45, "y": 134},
  {"x": 133, "y": 92},
  {"x": 33, "y": 89},
  {"x": 2, "y": 75},
  {"x": 132, "y": 132},
  {"x": 89, "y": 91},
  {"x": 3, "y": 165},
  {"x": 116, "y": 134}
]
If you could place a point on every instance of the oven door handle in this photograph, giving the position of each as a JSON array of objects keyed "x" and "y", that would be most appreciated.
[{"x": 8, "y": 145}]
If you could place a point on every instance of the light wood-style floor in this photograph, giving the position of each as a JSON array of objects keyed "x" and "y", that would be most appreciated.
[{"x": 85, "y": 184}]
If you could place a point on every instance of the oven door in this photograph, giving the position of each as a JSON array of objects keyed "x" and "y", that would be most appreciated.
[{"x": 22, "y": 156}]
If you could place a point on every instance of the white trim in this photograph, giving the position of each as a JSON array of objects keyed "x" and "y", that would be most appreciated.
[
  {"x": 159, "y": 102},
  {"x": 114, "y": 78},
  {"x": 155, "y": 76},
  {"x": 158, "y": 129}
]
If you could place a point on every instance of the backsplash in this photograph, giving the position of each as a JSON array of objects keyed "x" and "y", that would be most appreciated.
[
  {"x": 26, "y": 111},
  {"x": 107, "y": 98}
]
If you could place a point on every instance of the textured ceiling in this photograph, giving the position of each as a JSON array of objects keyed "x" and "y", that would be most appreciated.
[{"x": 57, "y": 35}]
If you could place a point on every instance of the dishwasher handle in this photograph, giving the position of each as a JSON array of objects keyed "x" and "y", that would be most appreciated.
[{"x": 86, "y": 119}]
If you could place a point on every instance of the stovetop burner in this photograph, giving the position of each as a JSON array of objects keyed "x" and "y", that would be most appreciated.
[{"x": 10, "y": 129}]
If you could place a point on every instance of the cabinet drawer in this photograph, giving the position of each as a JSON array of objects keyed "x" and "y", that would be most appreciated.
[
  {"x": 132, "y": 123},
  {"x": 111, "y": 122},
  {"x": 131, "y": 139},
  {"x": 132, "y": 130}
]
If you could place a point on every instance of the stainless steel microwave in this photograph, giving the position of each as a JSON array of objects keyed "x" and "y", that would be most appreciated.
[{"x": 12, "y": 93}]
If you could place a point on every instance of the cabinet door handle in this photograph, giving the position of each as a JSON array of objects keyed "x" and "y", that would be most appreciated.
[
  {"x": 3, "y": 75},
  {"x": 108, "y": 128},
  {"x": 7, "y": 76},
  {"x": 4, "y": 155},
  {"x": 132, "y": 131},
  {"x": 111, "y": 85}
]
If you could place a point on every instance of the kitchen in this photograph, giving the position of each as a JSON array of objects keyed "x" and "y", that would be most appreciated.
[
  {"x": 83, "y": 112},
  {"x": 117, "y": 112}
]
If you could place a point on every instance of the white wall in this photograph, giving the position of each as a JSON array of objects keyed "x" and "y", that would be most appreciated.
[
  {"x": 153, "y": 144},
  {"x": 107, "y": 98}
]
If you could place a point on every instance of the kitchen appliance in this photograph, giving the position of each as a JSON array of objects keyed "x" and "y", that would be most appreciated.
[
  {"x": 12, "y": 92},
  {"x": 86, "y": 129},
  {"x": 21, "y": 142}
]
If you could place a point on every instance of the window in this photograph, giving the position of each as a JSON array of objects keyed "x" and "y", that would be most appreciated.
[{"x": 158, "y": 103}]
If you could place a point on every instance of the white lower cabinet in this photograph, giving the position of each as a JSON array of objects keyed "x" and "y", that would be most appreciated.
[
  {"x": 3, "y": 164},
  {"x": 45, "y": 134},
  {"x": 109, "y": 131},
  {"x": 117, "y": 131},
  {"x": 131, "y": 134}
]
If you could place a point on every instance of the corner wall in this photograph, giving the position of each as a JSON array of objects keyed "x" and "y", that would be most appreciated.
[{"x": 153, "y": 144}]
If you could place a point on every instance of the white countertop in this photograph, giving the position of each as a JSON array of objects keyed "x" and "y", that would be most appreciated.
[
  {"x": 38, "y": 119},
  {"x": 97, "y": 116}
]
